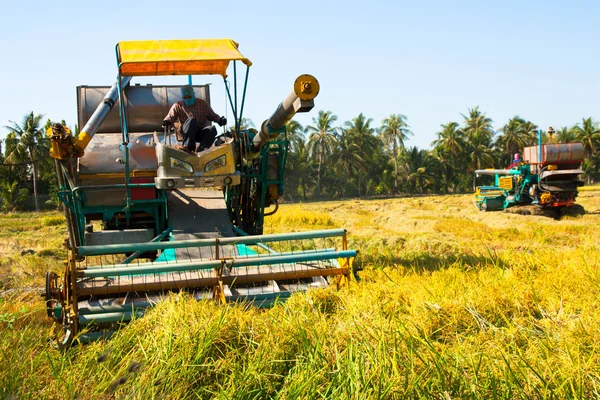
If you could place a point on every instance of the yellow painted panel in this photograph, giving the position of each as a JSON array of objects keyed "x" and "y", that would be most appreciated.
[
  {"x": 178, "y": 57},
  {"x": 134, "y": 174},
  {"x": 505, "y": 183}
]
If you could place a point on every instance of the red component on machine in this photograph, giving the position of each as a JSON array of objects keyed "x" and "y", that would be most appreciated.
[{"x": 143, "y": 193}]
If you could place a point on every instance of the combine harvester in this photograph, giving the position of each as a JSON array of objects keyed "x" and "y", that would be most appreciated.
[
  {"x": 145, "y": 218},
  {"x": 547, "y": 178}
]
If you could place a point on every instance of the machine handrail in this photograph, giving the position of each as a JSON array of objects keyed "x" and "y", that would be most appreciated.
[
  {"x": 142, "y": 247},
  {"x": 115, "y": 186},
  {"x": 127, "y": 269}
]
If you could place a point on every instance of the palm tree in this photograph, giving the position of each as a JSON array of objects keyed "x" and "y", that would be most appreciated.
[
  {"x": 481, "y": 157},
  {"x": 416, "y": 169},
  {"x": 11, "y": 195},
  {"x": 360, "y": 129},
  {"x": 349, "y": 158},
  {"x": 531, "y": 129},
  {"x": 478, "y": 127},
  {"x": 591, "y": 167},
  {"x": 514, "y": 137},
  {"x": 295, "y": 132},
  {"x": 360, "y": 132},
  {"x": 298, "y": 168},
  {"x": 394, "y": 132},
  {"x": 450, "y": 139},
  {"x": 446, "y": 167},
  {"x": 565, "y": 135},
  {"x": 588, "y": 132},
  {"x": 29, "y": 136},
  {"x": 322, "y": 140},
  {"x": 449, "y": 148}
]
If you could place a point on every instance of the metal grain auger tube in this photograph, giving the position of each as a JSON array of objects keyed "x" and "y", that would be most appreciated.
[
  {"x": 65, "y": 146},
  {"x": 145, "y": 218},
  {"x": 306, "y": 88}
]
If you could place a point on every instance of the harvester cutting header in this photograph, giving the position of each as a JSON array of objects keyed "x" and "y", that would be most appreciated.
[
  {"x": 147, "y": 214},
  {"x": 546, "y": 176}
]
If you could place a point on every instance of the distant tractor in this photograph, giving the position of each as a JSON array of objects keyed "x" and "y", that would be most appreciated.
[{"x": 548, "y": 176}]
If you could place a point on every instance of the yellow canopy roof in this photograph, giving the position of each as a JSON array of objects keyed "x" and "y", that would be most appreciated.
[{"x": 177, "y": 57}]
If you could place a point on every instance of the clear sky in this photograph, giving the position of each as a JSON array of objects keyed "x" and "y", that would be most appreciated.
[{"x": 429, "y": 60}]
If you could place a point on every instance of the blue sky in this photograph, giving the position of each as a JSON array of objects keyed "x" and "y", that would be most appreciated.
[{"x": 429, "y": 60}]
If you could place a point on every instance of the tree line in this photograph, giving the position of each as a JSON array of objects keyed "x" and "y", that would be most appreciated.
[
  {"x": 328, "y": 160},
  {"x": 357, "y": 158}
]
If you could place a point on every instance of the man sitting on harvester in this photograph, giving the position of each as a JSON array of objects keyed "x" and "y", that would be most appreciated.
[
  {"x": 516, "y": 161},
  {"x": 194, "y": 116}
]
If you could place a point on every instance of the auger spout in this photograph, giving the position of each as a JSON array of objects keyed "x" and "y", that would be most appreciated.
[
  {"x": 90, "y": 128},
  {"x": 65, "y": 146},
  {"x": 306, "y": 88},
  {"x": 104, "y": 108}
]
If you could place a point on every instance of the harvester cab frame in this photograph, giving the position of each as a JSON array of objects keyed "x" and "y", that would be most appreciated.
[
  {"x": 548, "y": 176},
  {"x": 145, "y": 218}
]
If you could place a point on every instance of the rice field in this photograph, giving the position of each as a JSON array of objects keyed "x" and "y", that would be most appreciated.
[{"x": 450, "y": 303}]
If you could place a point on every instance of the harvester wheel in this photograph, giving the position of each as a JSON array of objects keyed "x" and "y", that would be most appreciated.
[
  {"x": 64, "y": 331},
  {"x": 53, "y": 293},
  {"x": 64, "y": 327},
  {"x": 65, "y": 338}
]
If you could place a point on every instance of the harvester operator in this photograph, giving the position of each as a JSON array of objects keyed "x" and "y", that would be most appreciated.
[
  {"x": 516, "y": 161},
  {"x": 194, "y": 116}
]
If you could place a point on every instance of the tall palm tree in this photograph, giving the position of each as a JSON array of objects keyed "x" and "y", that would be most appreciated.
[
  {"x": 565, "y": 135},
  {"x": 322, "y": 140},
  {"x": 394, "y": 132},
  {"x": 531, "y": 129},
  {"x": 416, "y": 168},
  {"x": 360, "y": 124},
  {"x": 481, "y": 157},
  {"x": 360, "y": 132},
  {"x": 298, "y": 167},
  {"x": 513, "y": 137},
  {"x": 445, "y": 166},
  {"x": 295, "y": 132},
  {"x": 348, "y": 157},
  {"x": 449, "y": 148},
  {"x": 588, "y": 132},
  {"x": 29, "y": 146},
  {"x": 450, "y": 139},
  {"x": 478, "y": 127}
]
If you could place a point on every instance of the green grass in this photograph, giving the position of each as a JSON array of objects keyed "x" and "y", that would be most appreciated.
[{"x": 451, "y": 303}]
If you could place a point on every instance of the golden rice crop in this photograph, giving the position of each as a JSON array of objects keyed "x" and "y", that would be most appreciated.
[{"x": 450, "y": 303}]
